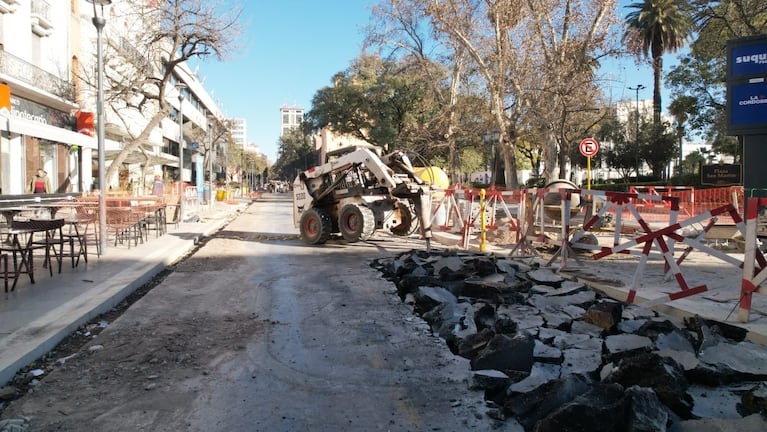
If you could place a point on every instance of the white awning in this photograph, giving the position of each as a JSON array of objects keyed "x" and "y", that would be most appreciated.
[{"x": 53, "y": 133}]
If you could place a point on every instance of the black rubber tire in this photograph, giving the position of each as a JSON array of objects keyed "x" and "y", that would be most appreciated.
[
  {"x": 409, "y": 222},
  {"x": 315, "y": 226},
  {"x": 356, "y": 222}
]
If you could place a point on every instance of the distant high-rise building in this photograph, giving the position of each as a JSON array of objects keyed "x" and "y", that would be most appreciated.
[
  {"x": 239, "y": 130},
  {"x": 291, "y": 118}
]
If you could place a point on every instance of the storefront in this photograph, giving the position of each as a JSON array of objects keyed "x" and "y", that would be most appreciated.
[{"x": 35, "y": 137}]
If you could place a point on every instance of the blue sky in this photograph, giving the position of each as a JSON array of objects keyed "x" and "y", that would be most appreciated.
[{"x": 288, "y": 53}]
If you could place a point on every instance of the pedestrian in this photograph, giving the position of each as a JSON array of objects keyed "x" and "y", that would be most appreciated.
[
  {"x": 158, "y": 187},
  {"x": 40, "y": 184}
]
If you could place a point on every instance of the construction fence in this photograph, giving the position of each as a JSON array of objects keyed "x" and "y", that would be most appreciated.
[{"x": 661, "y": 223}]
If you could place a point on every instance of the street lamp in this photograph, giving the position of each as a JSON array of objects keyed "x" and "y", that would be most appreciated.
[
  {"x": 211, "y": 119},
  {"x": 99, "y": 22},
  {"x": 180, "y": 87},
  {"x": 636, "y": 138}
]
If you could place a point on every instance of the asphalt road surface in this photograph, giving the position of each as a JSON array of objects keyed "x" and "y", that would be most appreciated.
[{"x": 259, "y": 332}]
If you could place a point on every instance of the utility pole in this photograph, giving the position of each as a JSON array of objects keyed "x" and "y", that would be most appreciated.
[
  {"x": 180, "y": 87},
  {"x": 636, "y": 137}
]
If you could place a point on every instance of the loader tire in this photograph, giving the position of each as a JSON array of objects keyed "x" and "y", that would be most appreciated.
[
  {"x": 315, "y": 226},
  {"x": 356, "y": 222},
  {"x": 409, "y": 222}
]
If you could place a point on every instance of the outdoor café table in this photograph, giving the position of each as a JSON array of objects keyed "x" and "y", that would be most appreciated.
[
  {"x": 10, "y": 212},
  {"x": 22, "y": 234}
]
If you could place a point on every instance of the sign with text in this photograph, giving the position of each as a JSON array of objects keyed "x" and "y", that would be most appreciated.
[
  {"x": 721, "y": 174},
  {"x": 746, "y": 103}
]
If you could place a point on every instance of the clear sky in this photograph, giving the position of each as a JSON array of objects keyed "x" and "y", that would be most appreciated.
[{"x": 290, "y": 52}]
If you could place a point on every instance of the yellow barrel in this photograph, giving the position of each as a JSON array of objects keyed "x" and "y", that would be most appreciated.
[{"x": 434, "y": 176}]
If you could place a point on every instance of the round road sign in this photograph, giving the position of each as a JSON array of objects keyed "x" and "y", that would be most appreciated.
[{"x": 588, "y": 147}]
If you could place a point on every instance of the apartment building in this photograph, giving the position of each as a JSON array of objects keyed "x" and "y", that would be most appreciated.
[
  {"x": 39, "y": 108},
  {"x": 290, "y": 118},
  {"x": 48, "y": 102}
]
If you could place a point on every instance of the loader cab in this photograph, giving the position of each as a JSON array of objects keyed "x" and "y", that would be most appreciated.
[{"x": 335, "y": 154}]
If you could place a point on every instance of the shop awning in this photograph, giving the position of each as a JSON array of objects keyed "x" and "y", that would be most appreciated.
[
  {"x": 137, "y": 157},
  {"x": 52, "y": 133}
]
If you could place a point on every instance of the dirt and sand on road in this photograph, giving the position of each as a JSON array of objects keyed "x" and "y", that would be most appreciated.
[{"x": 257, "y": 332}]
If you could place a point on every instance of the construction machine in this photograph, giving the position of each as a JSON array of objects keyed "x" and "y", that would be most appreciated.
[{"x": 358, "y": 191}]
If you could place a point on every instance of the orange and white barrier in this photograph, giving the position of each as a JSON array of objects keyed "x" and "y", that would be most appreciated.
[
  {"x": 467, "y": 222},
  {"x": 754, "y": 264}
]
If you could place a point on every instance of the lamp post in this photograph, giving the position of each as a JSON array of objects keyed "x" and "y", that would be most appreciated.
[
  {"x": 180, "y": 87},
  {"x": 636, "y": 138},
  {"x": 211, "y": 119},
  {"x": 99, "y": 22}
]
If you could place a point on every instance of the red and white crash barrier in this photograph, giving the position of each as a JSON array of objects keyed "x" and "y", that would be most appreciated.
[
  {"x": 663, "y": 240},
  {"x": 531, "y": 216},
  {"x": 468, "y": 222},
  {"x": 754, "y": 264},
  {"x": 617, "y": 204}
]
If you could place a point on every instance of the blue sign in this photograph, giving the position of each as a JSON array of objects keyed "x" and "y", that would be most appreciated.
[
  {"x": 747, "y": 86},
  {"x": 748, "y": 60},
  {"x": 748, "y": 104}
]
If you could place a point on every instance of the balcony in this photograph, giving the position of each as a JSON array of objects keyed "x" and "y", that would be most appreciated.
[
  {"x": 36, "y": 77},
  {"x": 41, "y": 23},
  {"x": 8, "y": 6}
]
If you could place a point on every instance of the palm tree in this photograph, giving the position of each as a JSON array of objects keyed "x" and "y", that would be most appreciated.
[{"x": 656, "y": 27}]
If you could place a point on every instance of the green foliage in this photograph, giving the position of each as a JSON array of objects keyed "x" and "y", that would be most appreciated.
[
  {"x": 296, "y": 154},
  {"x": 386, "y": 103},
  {"x": 656, "y": 27},
  {"x": 657, "y": 147},
  {"x": 701, "y": 74}
]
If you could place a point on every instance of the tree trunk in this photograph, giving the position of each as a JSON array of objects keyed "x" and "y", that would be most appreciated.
[
  {"x": 657, "y": 69},
  {"x": 133, "y": 146}
]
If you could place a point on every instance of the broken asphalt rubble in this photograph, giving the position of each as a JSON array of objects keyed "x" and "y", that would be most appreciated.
[{"x": 552, "y": 354}]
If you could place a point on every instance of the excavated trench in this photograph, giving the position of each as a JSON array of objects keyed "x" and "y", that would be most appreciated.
[{"x": 552, "y": 354}]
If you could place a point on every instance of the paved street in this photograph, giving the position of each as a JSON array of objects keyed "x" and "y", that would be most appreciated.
[{"x": 259, "y": 332}]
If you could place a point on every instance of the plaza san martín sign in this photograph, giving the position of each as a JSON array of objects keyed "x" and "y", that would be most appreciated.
[{"x": 721, "y": 174}]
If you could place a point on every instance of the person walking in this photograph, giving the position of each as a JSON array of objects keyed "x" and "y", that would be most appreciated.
[
  {"x": 40, "y": 184},
  {"x": 158, "y": 187}
]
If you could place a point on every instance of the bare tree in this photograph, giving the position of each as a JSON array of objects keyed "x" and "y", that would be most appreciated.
[
  {"x": 149, "y": 41},
  {"x": 492, "y": 34},
  {"x": 402, "y": 25},
  {"x": 572, "y": 37}
]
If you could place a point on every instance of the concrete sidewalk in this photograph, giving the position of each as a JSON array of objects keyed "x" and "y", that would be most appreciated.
[{"x": 36, "y": 317}]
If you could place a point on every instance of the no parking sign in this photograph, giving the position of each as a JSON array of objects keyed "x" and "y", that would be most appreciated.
[{"x": 588, "y": 147}]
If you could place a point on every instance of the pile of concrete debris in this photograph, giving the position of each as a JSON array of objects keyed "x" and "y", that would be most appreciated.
[{"x": 552, "y": 354}]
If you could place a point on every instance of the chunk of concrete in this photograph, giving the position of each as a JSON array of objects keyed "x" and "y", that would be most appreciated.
[
  {"x": 530, "y": 407},
  {"x": 506, "y": 353},
  {"x": 665, "y": 376},
  {"x": 581, "y": 361},
  {"x": 752, "y": 423},
  {"x": 546, "y": 277},
  {"x": 540, "y": 374},
  {"x": 601, "y": 409},
  {"x": 605, "y": 314},
  {"x": 755, "y": 399},
  {"x": 626, "y": 342}
]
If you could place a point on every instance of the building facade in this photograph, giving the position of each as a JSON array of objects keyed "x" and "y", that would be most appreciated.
[
  {"x": 40, "y": 107},
  {"x": 290, "y": 118},
  {"x": 48, "y": 102}
]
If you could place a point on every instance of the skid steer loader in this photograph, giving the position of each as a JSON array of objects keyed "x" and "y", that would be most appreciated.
[{"x": 357, "y": 192}]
